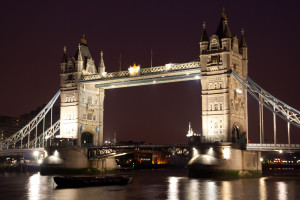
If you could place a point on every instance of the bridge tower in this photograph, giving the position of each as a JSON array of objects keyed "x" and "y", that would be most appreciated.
[
  {"x": 224, "y": 100},
  {"x": 81, "y": 109}
]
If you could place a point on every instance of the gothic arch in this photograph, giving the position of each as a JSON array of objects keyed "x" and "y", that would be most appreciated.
[{"x": 87, "y": 139}]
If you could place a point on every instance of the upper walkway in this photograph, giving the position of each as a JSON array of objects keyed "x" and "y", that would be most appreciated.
[{"x": 146, "y": 76}]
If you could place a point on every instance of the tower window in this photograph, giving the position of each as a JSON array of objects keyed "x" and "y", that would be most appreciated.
[
  {"x": 210, "y": 107},
  {"x": 221, "y": 106},
  {"x": 221, "y": 85},
  {"x": 215, "y": 59},
  {"x": 89, "y": 116},
  {"x": 216, "y": 107},
  {"x": 90, "y": 100}
]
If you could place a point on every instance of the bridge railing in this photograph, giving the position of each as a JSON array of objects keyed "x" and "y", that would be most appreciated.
[
  {"x": 258, "y": 146},
  {"x": 143, "y": 71}
]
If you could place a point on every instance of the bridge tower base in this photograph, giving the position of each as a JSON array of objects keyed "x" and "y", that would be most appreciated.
[
  {"x": 223, "y": 160},
  {"x": 73, "y": 159}
]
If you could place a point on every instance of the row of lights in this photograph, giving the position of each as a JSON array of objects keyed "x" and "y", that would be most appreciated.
[{"x": 226, "y": 152}]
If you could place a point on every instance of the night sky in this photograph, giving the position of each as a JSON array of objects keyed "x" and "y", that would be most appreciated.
[{"x": 33, "y": 34}]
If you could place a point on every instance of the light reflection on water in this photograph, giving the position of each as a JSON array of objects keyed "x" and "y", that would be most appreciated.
[
  {"x": 173, "y": 188},
  {"x": 282, "y": 190},
  {"x": 262, "y": 188},
  {"x": 171, "y": 185},
  {"x": 34, "y": 187}
]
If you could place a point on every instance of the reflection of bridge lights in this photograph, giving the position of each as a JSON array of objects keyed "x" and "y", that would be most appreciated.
[
  {"x": 173, "y": 189},
  {"x": 197, "y": 77}
]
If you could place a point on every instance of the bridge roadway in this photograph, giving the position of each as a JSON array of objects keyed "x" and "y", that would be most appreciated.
[
  {"x": 112, "y": 151},
  {"x": 176, "y": 149},
  {"x": 19, "y": 152}
]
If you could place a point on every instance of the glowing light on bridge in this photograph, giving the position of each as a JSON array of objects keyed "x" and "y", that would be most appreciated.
[
  {"x": 239, "y": 91},
  {"x": 168, "y": 66},
  {"x": 226, "y": 152},
  {"x": 36, "y": 153},
  {"x": 134, "y": 70},
  {"x": 197, "y": 77},
  {"x": 104, "y": 74}
]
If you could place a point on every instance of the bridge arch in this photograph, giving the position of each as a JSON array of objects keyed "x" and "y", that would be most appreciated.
[{"x": 87, "y": 139}]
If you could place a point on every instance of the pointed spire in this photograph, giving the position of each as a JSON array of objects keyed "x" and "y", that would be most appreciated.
[
  {"x": 204, "y": 37},
  {"x": 101, "y": 65},
  {"x": 226, "y": 33},
  {"x": 64, "y": 58},
  {"x": 223, "y": 30},
  {"x": 243, "y": 41},
  {"x": 79, "y": 58}
]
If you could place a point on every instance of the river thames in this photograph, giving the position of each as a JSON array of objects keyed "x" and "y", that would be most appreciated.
[{"x": 151, "y": 184}]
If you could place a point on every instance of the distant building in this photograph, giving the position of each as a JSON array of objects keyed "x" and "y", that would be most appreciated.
[{"x": 11, "y": 125}]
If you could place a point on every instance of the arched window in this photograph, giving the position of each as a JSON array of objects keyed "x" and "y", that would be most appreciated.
[
  {"x": 221, "y": 85},
  {"x": 216, "y": 106}
]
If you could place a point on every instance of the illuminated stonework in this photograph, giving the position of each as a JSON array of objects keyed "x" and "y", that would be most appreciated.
[
  {"x": 81, "y": 104},
  {"x": 224, "y": 100}
]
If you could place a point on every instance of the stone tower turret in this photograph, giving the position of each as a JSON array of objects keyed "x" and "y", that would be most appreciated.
[
  {"x": 81, "y": 115},
  {"x": 224, "y": 100}
]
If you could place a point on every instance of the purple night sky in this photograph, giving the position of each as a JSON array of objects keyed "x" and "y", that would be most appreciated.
[{"x": 33, "y": 35}]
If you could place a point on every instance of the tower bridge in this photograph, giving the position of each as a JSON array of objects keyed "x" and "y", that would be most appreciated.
[{"x": 222, "y": 70}]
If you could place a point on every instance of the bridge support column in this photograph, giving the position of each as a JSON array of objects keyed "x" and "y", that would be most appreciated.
[{"x": 223, "y": 159}]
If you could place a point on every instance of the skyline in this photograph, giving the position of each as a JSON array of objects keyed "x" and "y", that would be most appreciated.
[{"x": 40, "y": 50}]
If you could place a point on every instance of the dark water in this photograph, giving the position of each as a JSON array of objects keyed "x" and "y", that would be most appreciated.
[{"x": 148, "y": 184}]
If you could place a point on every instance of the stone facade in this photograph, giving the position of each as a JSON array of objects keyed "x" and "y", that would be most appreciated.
[
  {"x": 224, "y": 100},
  {"x": 81, "y": 114}
]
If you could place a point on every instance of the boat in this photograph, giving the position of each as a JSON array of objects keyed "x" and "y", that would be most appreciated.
[{"x": 86, "y": 181}]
